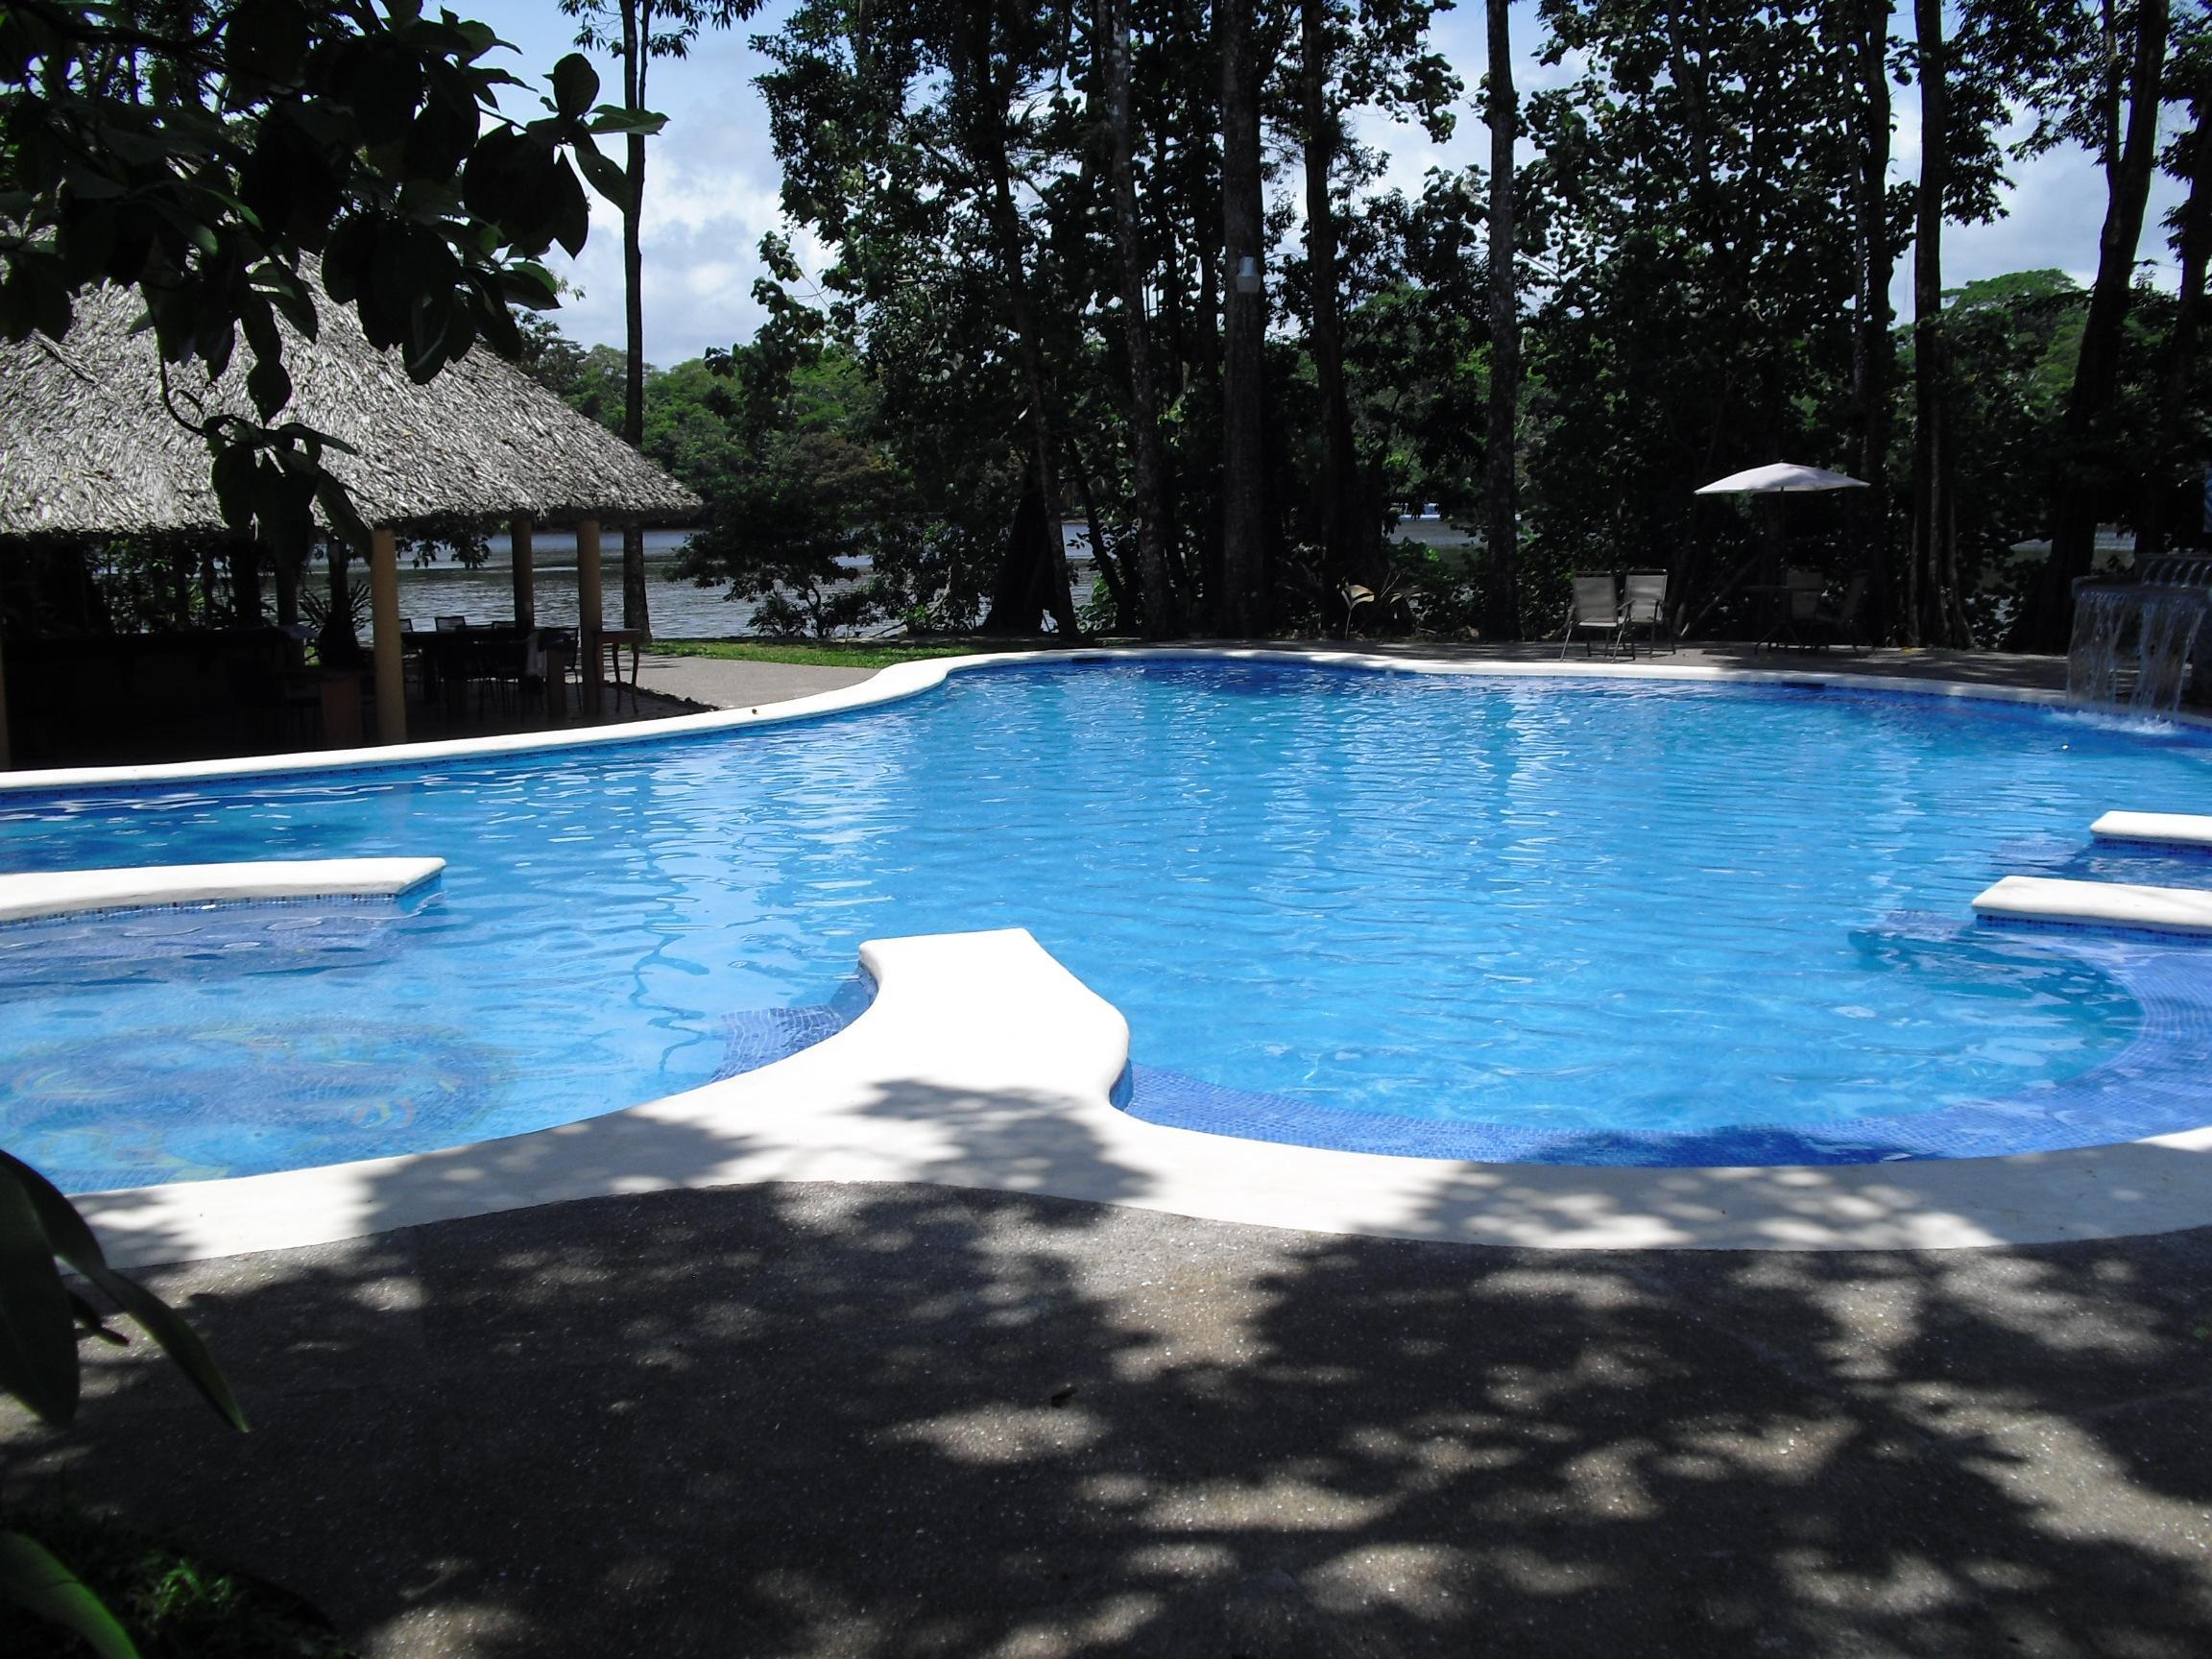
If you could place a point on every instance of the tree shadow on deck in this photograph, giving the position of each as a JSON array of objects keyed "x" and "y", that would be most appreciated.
[{"x": 915, "y": 1420}]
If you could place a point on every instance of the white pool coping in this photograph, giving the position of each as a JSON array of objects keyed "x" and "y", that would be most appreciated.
[
  {"x": 983, "y": 1062},
  {"x": 2168, "y": 829},
  {"x": 2096, "y": 903},
  {"x": 33, "y": 894},
  {"x": 904, "y": 680}
]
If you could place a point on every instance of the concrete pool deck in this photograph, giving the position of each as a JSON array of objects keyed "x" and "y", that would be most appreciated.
[{"x": 889, "y": 1422}]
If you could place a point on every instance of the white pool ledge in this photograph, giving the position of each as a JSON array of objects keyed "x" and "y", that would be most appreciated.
[
  {"x": 983, "y": 1062},
  {"x": 32, "y": 895},
  {"x": 2166, "y": 828},
  {"x": 2096, "y": 903}
]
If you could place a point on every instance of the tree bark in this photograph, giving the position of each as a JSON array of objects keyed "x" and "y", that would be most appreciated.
[
  {"x": 2195, "y": 243},
  {"x": 637, "y": 38},
  {"x": 1241, "y": 608},
  {"x": 244, "y": 558},
  {"x": 1873, "y": 354},
  {"x": 1102, "y": 555},
  {"x": 1931, "y": 447},
  {"x": 1017, "y": 589},
  {"x": 1502, "y": 512},
  {"x": 990, "y": 118},
  {"x": 1160, "y": 610},
  {"x": 2048, "y": 619},
  {"x": 1339, "y": 502}
]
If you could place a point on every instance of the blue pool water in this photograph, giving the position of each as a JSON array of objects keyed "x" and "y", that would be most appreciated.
[{"x": 1610, "y": 920}]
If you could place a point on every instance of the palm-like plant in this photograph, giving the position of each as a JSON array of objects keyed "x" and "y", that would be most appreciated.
[{"x": 42, "y": 1319}]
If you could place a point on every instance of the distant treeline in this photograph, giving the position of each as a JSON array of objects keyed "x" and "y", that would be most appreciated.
[{"x": 1039, "y": 305}]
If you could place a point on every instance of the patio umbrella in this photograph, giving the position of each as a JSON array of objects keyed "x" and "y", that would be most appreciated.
[{"x": 1776, "y": 479}]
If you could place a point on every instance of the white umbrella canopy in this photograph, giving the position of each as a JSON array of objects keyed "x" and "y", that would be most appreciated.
[{"x": 1778, "y": 477}]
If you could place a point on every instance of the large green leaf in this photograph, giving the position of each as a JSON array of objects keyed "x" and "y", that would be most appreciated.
[
  {"x": 575, "y": 85},
  {"x": 34, "y": 1580},
  {"x": 606, "y": 175},
  {"x": 73, "y": 1242},
  {"x": 37, "y": 1334}
]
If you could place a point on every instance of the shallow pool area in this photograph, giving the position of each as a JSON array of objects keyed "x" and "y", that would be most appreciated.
[{"x": 1556, "y": 920}]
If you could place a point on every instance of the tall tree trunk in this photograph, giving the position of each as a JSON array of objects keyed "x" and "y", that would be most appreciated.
[
  {"x": 1241, "y": 605},
  {"x": 2048, "y": 619},
  {"x": 991, "y": 118},
  {"x": 1340, "y": 506},
  {"x": 1931, "y": 446},
  {"x": 1102, "y": 555},
  {"x": 1873, "y": 353},
  {"x": 284, "y": 565},
  {"x": 1160, "y": 612},
  {"x": 636, "y": 38},
  {"x": 1501, "y": 506},
  {"x": 2195, "y": 243},
  {"x": 1018, "y": 587},
  {"x": 244, "y": 558}
]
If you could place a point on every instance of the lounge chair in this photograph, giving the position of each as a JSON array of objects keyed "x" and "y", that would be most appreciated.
[
  {"x": 1844, "y": 624},
  {"x": 1645, "y": 607},
  {"x": 1796, "y": 609},
  {"x": 1597, "y": 610}
]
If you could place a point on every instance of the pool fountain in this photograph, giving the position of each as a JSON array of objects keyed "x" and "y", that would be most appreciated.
[{"x": 2132, "y": 640}]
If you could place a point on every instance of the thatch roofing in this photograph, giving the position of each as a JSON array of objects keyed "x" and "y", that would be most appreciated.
[{"x": 87, "y": 448}]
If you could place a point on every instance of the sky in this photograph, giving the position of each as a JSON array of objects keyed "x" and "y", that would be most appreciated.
[{"x": 711, "y": 183}]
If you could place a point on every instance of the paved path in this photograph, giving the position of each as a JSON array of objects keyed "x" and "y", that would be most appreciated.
[
  {"x": 904, "y": 1421},
  {"x": 720, "y": 682}
]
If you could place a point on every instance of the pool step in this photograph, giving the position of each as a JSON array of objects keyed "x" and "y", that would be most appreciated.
[
  {"x": 2171, "y": 828},
  {"x": 2096, "y": 903}
]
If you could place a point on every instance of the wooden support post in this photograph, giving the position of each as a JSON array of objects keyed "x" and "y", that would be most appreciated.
[
  {"x": 589, "y": 621},
  {"x": 525, "y": 573},
  {"x": 384, "y": 636}
]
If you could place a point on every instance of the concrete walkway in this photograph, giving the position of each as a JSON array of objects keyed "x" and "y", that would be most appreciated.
[
  {"x": 903, "y": 1420},
  {"x": 721, "y": 683}
]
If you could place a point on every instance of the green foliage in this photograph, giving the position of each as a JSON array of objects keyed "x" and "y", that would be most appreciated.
[
  {"x": 35, "y": 1579},
  {"x": 173, "y": 1603},
  {"x": 42, "y": 1319}
]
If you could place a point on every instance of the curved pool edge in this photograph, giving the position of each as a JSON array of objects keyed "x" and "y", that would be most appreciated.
[
  {"x": 905, "y": 679},
  {"x": 984, "y": 1063}
]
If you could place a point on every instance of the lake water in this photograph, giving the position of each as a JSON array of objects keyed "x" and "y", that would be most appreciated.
[{"x": 681, "y": 611}]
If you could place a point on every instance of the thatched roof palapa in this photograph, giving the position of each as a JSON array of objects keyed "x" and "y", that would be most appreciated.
[{"x": 87, "y": 448}]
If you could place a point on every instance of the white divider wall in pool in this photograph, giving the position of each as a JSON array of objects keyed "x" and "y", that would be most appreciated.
[
  {"x": 982, "y": 1062},
  {"x": 30, "y": 895},
  {"x": 2096, "y": 903},
  {"x": 2169, "y": 829}
]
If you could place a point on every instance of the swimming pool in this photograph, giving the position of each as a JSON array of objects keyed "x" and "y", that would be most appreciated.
[{"x": 1554, "y": 920}]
